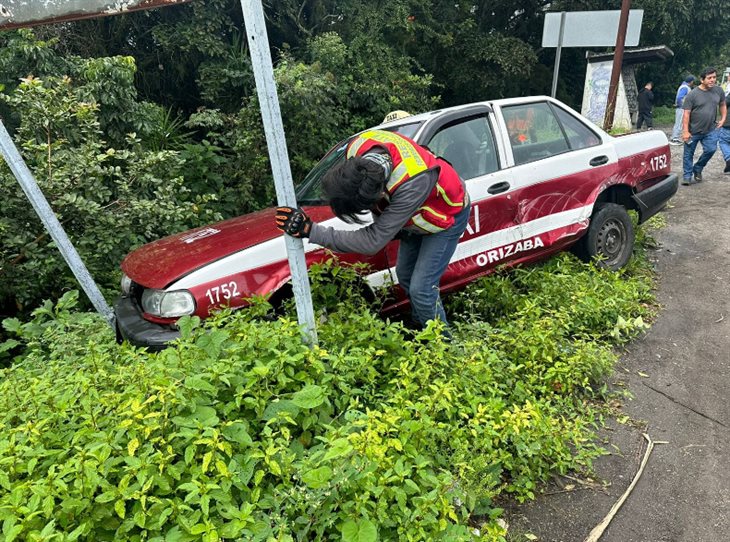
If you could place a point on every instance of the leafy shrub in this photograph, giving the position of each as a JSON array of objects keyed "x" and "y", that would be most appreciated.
[
  {"x": 239, "y": 431},
  {"x": 108, "y": 198}
]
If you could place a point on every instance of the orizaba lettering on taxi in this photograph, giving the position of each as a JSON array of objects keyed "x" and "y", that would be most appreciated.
[{"x": 492, "y": 256}]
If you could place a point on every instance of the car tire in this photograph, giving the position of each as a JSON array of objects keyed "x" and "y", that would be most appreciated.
[{"x": 610, "y": 237}]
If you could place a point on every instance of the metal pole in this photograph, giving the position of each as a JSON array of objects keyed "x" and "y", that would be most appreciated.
[
  {"x": 258, "y": 43},
  {"x": 556, "y": 68},
  {"x": 618, "y": 60},
  {"x": 50, "y": 221}
]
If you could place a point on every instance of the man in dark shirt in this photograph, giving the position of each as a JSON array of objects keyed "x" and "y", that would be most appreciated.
[
  {"x": 646, "y": 99},
  {"x": 700, "y": 124}
]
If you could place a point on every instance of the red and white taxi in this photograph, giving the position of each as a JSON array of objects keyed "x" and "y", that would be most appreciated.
[{"x": 541, "y": 178}]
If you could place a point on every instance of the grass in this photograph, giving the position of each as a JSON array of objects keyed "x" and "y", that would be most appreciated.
[{"x": 664, "y": 115}]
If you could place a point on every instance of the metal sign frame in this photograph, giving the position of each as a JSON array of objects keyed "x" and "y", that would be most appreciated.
[
  {"x": 23, "y": 13},
  {"x": 587, "y": 29}
]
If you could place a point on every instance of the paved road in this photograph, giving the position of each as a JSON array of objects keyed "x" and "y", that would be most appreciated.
[{"x": 684, "y": 493}]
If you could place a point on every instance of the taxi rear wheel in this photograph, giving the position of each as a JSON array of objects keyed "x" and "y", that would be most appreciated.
[{"x": 610, "y": 237}]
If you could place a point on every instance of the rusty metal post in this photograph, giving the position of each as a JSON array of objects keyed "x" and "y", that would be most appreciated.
[{"x": 618, "y": 60}]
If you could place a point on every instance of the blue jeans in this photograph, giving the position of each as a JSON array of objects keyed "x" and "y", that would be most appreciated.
[
  {"x": 677, "y": 130},
  {"x": 422, "y": 260},
  {"x": 709, "y": 146},
  {"x": 725, "y": 143}
]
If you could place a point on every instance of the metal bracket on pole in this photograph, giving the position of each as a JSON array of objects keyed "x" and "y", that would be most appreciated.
[
  {"x": 258, "y": 43},
  {"x": 49, "y": 219},
  {"x": 556, "y": 68}
]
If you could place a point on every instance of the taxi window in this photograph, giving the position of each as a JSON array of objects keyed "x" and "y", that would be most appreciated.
[
  {"x": 579, "y": 135},
  {"x": 534, "y": 132},
  {"x": 310, "y": 192},
  {"x": 468, "y": 145}
]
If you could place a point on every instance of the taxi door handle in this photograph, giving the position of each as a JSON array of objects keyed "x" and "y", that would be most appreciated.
[
  {"x": 599, "y": 160},
  {"x": 498, "y": 188}
]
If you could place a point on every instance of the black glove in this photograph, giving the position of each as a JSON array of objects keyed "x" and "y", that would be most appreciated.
[{"x": 293, "y": 221}]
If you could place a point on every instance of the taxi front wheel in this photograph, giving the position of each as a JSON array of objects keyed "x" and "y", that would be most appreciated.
[{"x": 610, "y": 237}]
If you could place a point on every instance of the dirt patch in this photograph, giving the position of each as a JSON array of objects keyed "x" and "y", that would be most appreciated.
[{"x": 683, "y": 495}]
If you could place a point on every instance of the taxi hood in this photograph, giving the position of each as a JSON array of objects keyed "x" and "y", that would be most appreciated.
[{"x": 162, "y": 262}]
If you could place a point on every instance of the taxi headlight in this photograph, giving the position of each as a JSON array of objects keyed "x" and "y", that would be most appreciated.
[
  {"x": 168, "y": 304},
  {"x": 126, "y": 284}
]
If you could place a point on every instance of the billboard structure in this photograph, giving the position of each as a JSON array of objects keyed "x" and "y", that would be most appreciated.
[
  {"x": 587, "y": 29},
  {"x": 598, "y": 75}
]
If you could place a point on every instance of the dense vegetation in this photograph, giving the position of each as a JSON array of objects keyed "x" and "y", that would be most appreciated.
[{"x": 241, "y": 432}]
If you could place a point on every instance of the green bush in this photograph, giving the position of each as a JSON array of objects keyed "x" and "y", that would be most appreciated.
[
  {"x": 109, "y": 198},
  {"x": 239, "y": 431}
]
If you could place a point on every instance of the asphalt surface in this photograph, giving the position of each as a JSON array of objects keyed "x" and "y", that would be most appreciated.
[{"x": 679, "y": 377}]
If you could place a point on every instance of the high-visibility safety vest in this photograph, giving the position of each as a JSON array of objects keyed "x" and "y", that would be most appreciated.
[{"x": 448, "y": 196}]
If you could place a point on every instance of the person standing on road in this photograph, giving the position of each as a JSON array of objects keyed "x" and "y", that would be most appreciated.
[
  {"x": 412, "y": 194},
  {"x": 725, "y": 138},
  {"x": 682, "y": 92},
  {"x": 700, "y": 124},
  {"x": 646, "y": 100}
]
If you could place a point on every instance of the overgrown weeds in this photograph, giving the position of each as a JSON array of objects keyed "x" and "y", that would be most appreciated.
[{"x": 241, "y": 432}]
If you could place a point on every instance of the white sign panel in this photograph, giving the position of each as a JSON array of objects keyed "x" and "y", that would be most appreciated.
[{"x": 591, "y": 28}]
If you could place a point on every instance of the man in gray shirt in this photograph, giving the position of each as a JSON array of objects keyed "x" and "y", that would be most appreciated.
[{"x": 700, "y": 124}]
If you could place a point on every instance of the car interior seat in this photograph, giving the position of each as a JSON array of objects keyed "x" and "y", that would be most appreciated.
[{"x": 463, "y": 156}]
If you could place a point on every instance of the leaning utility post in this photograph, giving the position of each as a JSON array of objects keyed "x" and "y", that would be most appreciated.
[
  {"x": 258, "y": 43},
  {"x": 52, "y": 224},
  {"x": 618, "y": 60}
]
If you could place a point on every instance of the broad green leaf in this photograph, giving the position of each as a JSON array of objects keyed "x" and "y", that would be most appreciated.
[
  {"x": 187, "y": 324},
  {"x": 275, "y": 407},
  {"x": 8, "y": 345},
  {"x": 360, "y": 531},
  {"x": 232, "y": 529},
  {"x": 203, "y": 415},
  {"x": 175, "y": 535},
  {"x": 236, "y": 432},
  {"x": 318, "y": 477},
  {"x": 207, "y": 458},
  {"x": 132, "y": 446},
  {"x": 337, "y": 448},
  {"x": 310, "y": 396},
  {"x": 120, "y": 508},
  {"x": 107, "y": 496},
  {"x": 12, "y": 325},
  {"x": 199, "y": 383},
  {"x": 198, "y": 528},
  {"x": 13, "y": 533}
]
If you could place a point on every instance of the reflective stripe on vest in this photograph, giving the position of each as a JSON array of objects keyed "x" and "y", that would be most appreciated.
[
  {"x": 425, "y": 225},
  {"x": 420, "y": 220},
  {"x": 442, "y": 193},
  {"x": 411, "y": 165}
]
